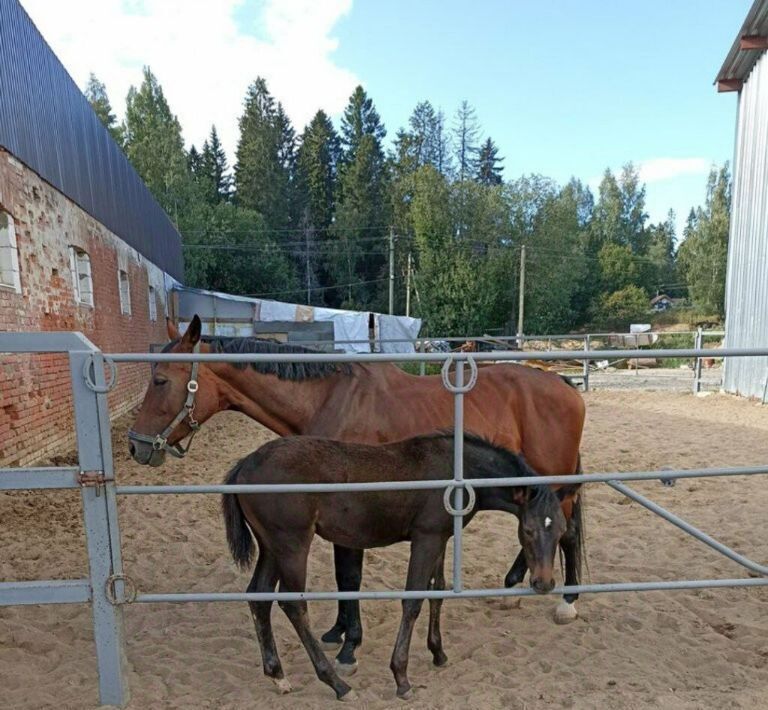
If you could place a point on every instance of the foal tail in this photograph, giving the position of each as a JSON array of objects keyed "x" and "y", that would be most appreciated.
[{"x": 238, "y": 533}]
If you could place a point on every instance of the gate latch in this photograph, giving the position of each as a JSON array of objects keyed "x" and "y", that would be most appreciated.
[{"x": 91, "y": 479}]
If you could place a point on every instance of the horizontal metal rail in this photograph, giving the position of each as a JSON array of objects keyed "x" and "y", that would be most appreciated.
[
  {"x": 53, "y": 591},
  {"x": 503, "y": 356},
  {"x": 665, "y": 475},
  {"x": 185, "y": 597},
  {"x": 690, "y": 529},
  {"x": 16, "y": 479}
]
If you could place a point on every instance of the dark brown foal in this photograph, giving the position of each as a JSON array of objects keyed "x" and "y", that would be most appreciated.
[{"x": 284, "y": 525}]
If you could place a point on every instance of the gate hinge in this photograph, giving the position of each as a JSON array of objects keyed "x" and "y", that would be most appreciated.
[{"x": 91, "y": 479}]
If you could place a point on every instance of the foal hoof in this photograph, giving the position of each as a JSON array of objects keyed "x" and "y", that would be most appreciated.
[
  {"x": 283, "y": 686},
  {"x": 439, "y": 659},
  {"x": 330, "y": 645},
  {"x": 565, "y": 613},
  {"x": 349, "y": 696},
  {"x": 346, "y": 669},
  {"x": 406, "y": 695}
]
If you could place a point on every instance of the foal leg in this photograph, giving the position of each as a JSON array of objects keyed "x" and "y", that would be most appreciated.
[
  {"x": 425, "y": 551},
  {"x": 264, "y": 580},
  {"x": 434, "y": 639},
  {"x": 349, "y": 573},
  {"x": 517, "y": 572},
  {"x": 570, "y": 544},
  {"x": 293, "y": 573}
]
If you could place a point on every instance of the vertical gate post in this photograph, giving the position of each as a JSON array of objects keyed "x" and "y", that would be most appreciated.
[
  {"x": 458, "y": 474},
  {"x": 698, "y": 343},
  {"x": 94, "y": 448},
  {"x": 422, "y": 364}
]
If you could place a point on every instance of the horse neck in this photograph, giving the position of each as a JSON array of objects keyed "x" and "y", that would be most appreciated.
[{"x": 285, "y": 407}]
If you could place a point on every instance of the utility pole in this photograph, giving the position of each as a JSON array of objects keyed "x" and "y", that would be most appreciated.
[
  {"x": 521, "y": 299},
  {"x": 408, "y": 285},
  {"x": 391, "y": 271}
]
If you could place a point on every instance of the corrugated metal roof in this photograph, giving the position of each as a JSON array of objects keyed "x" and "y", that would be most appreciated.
[
  {"x": 739, "y": 63},
  {"x": 48, "y": 124}
]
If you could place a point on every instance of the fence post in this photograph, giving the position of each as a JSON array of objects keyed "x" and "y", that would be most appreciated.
[
  {"x": 458, "y": 475},
  {"x": 586, "y": 365},
  {"x": 94, "y": 447},
  {"x": 422, "y": 364},
  {"x": 699, "y": 340}
]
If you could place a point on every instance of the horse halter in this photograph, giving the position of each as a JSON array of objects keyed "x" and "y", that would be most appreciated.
[{"x": 160, "y": 441}]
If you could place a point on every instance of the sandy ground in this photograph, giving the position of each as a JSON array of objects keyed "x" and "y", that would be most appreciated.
[{"x": 705, "y": 649}]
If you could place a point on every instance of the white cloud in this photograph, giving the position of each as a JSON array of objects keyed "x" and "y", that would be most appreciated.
[
  {"x": 202, "y": 57},
  {"x": 658, "y": 169}
]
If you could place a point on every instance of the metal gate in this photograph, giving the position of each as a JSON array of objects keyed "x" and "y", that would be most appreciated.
[{"x": 108, "y": 588}]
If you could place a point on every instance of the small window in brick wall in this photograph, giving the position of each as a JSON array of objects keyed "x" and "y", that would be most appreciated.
[
  {"x": 125, "y": 292},
  {"x": 152, "y": 303},
  {"x": 80, "y": 266},
  {"x": 9, "y": 254}
]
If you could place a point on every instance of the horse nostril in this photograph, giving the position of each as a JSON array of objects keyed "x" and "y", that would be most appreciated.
[{"x": 132, "y": 449}]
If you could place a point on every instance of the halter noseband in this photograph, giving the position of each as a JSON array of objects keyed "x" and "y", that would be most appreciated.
[{"x": 160, "y": 441}]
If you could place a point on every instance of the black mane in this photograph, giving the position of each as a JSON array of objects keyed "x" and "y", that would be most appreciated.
[{"x": 294, "y": 371}]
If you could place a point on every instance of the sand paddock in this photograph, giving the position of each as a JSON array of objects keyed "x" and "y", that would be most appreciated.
[{"x": 704, "y": 649}]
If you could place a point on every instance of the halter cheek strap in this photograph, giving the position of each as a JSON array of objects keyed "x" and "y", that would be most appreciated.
[{"x": 160, "y": 441}]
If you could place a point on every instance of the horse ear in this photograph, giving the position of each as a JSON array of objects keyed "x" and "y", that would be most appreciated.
[
  {"x": 192, "y": 334},
  {"x": 520, "y": 495},
  {"x": 173, "y": 331}
]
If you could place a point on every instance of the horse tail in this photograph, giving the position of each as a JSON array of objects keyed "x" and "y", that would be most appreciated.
[{"x": 238, "y": 533}]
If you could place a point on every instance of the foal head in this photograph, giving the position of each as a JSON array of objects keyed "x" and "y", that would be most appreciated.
[{"x": 542, "y": 525}]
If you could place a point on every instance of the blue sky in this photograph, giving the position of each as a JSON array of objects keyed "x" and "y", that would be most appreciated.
[{"x": 563, "y": 87}]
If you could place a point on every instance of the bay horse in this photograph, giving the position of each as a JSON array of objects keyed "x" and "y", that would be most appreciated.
[
  {"x": 284, "y": 526},
  {"x": 520, "y": 408}
]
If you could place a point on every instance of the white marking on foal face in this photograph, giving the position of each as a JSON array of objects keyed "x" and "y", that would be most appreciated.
[{"x": 547, "y": 522}]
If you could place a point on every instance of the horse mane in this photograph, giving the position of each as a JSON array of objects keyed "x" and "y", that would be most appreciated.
[{"x": 293, "y": 371}]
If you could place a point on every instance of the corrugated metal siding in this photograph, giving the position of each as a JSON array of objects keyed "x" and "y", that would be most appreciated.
[
  {"x": 746, "y": 322},
  {"x": 48, "y": 124}
]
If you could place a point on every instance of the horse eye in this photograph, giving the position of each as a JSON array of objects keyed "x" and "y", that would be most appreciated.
[{"x": 159, "y": 381}]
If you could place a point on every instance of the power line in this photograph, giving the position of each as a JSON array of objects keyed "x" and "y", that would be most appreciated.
[{"x": 316, "y": 288}]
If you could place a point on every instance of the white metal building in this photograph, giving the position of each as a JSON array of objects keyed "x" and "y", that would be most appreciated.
[{"x": 746, "y": 295}]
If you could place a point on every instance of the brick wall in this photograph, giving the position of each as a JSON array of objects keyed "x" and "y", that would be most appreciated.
[{"x": 36, "y": 416}]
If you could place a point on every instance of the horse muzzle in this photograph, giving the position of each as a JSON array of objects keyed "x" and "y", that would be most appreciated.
[
  {"x": 145, "y": 454},
  {"x": 542, "y": 585}
]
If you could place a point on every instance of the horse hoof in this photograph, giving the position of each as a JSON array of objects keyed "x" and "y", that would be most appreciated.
[
  {"x": 282, "y": 684},
  {"x": 407, "y": 695},
  {"x": 349, "y": 696},
  {"x": 565, "y": 613},
  {"x": 330, "y": 645},
  {"x": 346, "y": 669},
  {"x": 439, "y": 660}
]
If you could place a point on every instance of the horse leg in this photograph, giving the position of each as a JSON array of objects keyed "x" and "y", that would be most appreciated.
[
  {"x": 292, "y": 568},
  {"x": 264, "y": 580},
  {"x": 434, "y": 638},
  {"x": 348, "y": 565},
  {"x": 350, "y": 579},
  {"x": 570, "y": 544},
  {"x": 517, "y": 571},
  {"x": 425, "y": 551}
]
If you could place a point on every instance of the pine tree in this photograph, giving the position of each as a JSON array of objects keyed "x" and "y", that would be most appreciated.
[
  {"x": 214, "y": 170},
  {"x": 154, "y": 145},
  {"x": 96, "y": 93},
  {"x": 489, "y": 167},
  {"x": 362, "y": 212},
  {"x": 262, "y": 169},
  {"x": 703, "y": 254},
  {"x": 465, "y": 136}
]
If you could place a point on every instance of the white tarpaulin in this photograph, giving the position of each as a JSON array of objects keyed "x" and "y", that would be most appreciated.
[
  {"x": 397, "y": 327},
  {"x": 225, "y": 314},
  {"x": 347, "y": 325}
]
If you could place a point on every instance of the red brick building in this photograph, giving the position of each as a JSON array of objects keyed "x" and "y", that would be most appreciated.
[{"x": 83, "y": 245}]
